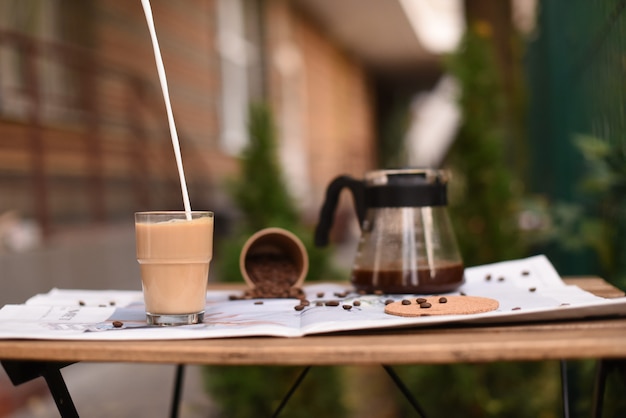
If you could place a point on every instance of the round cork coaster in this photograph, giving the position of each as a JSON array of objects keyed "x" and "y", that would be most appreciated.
[{"x": 441, "y": 305}]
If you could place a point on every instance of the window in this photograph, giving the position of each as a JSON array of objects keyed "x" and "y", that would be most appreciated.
[
  {"x": 36, "y": 67},
  {"x": 234, "y": 51}
]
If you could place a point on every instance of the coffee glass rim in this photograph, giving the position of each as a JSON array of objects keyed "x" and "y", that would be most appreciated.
[{"x": 172, "y": 212}]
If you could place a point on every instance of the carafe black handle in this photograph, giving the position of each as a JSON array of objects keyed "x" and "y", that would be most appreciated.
[{"x": 327, "y": 213}]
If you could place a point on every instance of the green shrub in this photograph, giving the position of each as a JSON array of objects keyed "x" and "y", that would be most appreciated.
[{"x": 264, "y": 201}]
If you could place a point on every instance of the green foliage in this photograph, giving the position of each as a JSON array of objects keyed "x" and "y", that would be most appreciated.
[
  {"x": 260, "y": 193},
  {"x": 264, "y": 201},
  {"x": 251, "y": 391},
  {"x": 485, "y": 192},
  {"x": 485, "y": 197},
  {"x": 598, "y": 221},
  {"x": 484, "y": 390}
]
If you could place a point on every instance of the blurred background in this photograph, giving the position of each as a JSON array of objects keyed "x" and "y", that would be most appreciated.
[{"x": 522, "y": 100}]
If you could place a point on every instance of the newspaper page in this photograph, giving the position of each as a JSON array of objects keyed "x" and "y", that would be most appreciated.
[{"x": 526, "y": 290}]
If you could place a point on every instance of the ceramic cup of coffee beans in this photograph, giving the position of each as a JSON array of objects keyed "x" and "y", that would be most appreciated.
[{"x": 274, "y": 261}]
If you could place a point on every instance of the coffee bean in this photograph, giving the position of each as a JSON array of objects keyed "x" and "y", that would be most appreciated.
[
  {"x": 406, "y": 302},
  {"x": 488, "y": 277},
  {"x": 298, "y": 307},
  {"x": 517, "y": 308},
  {"x": 273, "y": 276},
  {"x": 320, "y": 294},
  {"x": 258, "y": 302},
  {"x": 420, "y": 300},
  {"x": 525, "y": 273},
  {"x": 81, "y": 303},
  {"x": 443, "y": 300},
  {"x": 388, "y": 301},
  {"x": 118, "y": 324},
  {"x": 319, "y": 303},
  {"x": 500, "y": 279},
  {"x": 304, "y": 302},
  {"x": 347, "y": 307},
  {"x": 332, "y": 303},
  {"x": 425, "y": 305},
  {"x": 463, "y": 294},
  {"x": 357, "y": 303},
  {"x": 112, "y": 303},
  {"x": 532, "y": 289}
]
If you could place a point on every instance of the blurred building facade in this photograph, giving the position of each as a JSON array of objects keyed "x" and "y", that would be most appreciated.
[{"x": 83, "y": 130}]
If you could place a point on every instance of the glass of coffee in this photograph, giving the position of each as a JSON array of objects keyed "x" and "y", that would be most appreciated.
[{"x": 174, "y": 250}]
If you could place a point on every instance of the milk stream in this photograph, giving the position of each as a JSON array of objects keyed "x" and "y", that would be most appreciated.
[{"x": 166, "y": 96}]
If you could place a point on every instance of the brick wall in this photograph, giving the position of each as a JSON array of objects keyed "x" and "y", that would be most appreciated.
[
  {"x": 115, "y": 155},
  {"x": 335, "y": 100}
]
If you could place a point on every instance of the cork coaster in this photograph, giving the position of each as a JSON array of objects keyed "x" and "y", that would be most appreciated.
[{"x": 441, "y": 305}]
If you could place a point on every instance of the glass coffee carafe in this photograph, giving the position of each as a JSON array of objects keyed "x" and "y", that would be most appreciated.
[{"x": 407, "y": 244}]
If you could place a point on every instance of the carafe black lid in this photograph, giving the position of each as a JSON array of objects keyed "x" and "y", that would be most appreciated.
[{"x": 406, "y": 188}]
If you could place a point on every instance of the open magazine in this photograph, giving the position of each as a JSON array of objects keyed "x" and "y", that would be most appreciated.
[{"x": 527, "y": 290}]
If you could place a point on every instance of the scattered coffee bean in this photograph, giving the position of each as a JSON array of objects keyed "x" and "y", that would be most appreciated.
[
  {"x": 525, "y": 273},
  {"x": 517, "y": 308},
  {"x": 388, "y": 301},
  {"x": 443, "y": 300},
  {"x": 488, "y": 277},
  {"x": 118, "y": 324},
  {"x": 258, "y": 302},
  {"x": 332, "y": 303},
  {"x": 298, "y": 307},
  {"x": 463, "y": 294},
  {"x": 357, "y": 303},
  {"x": 319, "y": 303},
  {"x": 320, "y": 294},
  {"x": 564, "y": 304},
  {"x": 347, "y": 307},
  {"x": 532, "y": 289},
  {"x": 81, "y": 303},
  {"x": 112, "y": 303},
  {"x": 420, "y": 300},
  {"x": 425, "y": 305},
  {"x": 406, "y": 302},
  {"x": 500, "y": 279},
  {"x": 102, "y": 305},
  {"x": 304, "y": 302},
  {"x": 341, "y": 294}
]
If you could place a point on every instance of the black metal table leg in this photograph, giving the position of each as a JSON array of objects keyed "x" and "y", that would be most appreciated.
[
  {"x": 604, "y": 368},
  {"x": 178, "y": 387},
  {"x": 602, "y": 371},
  {"x": 564, "y": 389},
  {"x": 291, "y": 391},
  {"x": 405, "y": 391},
  {"x": 24, "y": 371}
]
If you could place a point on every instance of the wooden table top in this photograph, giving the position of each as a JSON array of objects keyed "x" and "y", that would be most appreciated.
[{"x": 572, "y": 339}]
